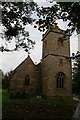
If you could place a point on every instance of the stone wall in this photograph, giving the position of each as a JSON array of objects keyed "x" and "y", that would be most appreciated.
[{"x": 18, "y": 79}]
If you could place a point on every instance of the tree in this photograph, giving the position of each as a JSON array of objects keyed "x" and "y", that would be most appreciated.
[
  {"x": 76, "y": 74},
  {"x": 15, "y": 15},
  {"x": 1, "y": 76},
  {"x": 6, "y": 80},
  {"x": 70, "y": 11},
  {"x": 67, "y": 11}
]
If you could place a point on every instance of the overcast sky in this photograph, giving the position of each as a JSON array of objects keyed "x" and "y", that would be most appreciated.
[{"x": 9, "y": 61}]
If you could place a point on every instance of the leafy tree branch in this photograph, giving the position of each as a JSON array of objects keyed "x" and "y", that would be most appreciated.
[{"x": 16, "y": 15}]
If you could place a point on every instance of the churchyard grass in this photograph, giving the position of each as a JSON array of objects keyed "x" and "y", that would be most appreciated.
[{"x": 36, "y": 107}]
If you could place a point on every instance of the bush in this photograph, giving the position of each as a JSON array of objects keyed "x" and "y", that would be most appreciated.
[{"x": 19, "y": 95}]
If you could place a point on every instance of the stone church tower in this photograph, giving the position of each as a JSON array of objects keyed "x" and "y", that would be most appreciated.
[
  {"x": 56, "y": 68},
  {"x": 52, "y": 76}
]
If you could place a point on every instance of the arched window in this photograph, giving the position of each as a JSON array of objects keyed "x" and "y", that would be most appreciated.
[
  {"x": 60, "y": 80},
  {"x": 27, "y": 80}
]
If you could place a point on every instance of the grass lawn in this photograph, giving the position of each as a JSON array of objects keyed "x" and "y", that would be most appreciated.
[{"x": 37, "y": 108}]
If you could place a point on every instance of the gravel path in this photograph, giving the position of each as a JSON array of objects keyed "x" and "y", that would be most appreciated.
[{"x": 76, "y": 115}]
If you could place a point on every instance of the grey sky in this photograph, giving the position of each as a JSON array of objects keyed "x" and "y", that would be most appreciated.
[{"x": 79, "y": 42}]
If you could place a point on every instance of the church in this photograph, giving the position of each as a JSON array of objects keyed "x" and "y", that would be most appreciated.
[{"x": 52, "y": 76}]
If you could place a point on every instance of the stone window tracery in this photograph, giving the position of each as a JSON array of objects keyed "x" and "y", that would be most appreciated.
[{"x": 60, "y": 80}]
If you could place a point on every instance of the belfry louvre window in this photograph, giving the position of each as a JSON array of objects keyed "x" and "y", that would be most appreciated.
[
  {"x": 27, "y": 80},
  {"x": 60, "y": 42},
  {"x": 60, "y": 80},
  {"x": 60, "y": 62}
]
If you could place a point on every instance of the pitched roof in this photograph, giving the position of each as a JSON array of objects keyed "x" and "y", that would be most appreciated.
[{"x": 27, "y": 59}]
